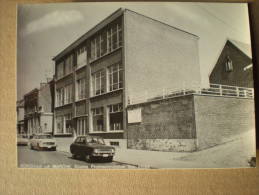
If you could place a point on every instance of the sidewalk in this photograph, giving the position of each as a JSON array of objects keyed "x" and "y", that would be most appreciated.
[{"x": 235, "y": 153}]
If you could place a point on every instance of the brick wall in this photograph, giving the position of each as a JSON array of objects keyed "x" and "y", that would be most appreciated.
[
  {"x": 219, "y": 119},
  {"x": 171, "y": 120}
]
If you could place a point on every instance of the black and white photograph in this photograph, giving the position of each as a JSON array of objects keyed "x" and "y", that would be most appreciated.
[{"x": 143, "y": 85}]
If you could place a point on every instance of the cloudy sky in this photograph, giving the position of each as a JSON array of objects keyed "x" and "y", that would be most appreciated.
[{"x": 46, "y": 29}]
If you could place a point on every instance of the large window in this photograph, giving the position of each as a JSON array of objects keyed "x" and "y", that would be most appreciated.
[
  {"x": 115, "y": 77},
  {"x": 68, "y": 65},
  {"x": 81, "y": 126},
  {"x": 60, "y": 97},
  {"x": 68, "y": 94},
  {"x": 97, "y": 120},
  {"x": 60, "y": 70},
  {"x": 81, "y": 56},
  {"x": 81, "y": 89},
  {"x": 109, "y": 40},
  {"x": 114, "y": 37},
  {"x": 116, "y": 117},
  {"x": 98, "y": 83}
]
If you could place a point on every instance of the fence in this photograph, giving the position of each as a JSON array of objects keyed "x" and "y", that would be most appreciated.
[{"x": 213, "y": 90}]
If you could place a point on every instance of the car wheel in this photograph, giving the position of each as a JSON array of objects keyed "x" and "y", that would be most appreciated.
[{"x": 88, "y": 158}]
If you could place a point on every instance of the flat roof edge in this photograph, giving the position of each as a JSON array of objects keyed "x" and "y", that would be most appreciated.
[{"x": 89, "y": 33}]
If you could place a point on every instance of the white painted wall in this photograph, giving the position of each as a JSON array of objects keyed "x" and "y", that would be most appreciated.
[{"x": 158, "y": 56}]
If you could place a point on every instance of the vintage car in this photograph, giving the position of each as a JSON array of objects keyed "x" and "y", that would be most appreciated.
[
  {"x": 22, "y": 140},
  {"x": 43, "y": 141},
  {"x": 91, "y": 148}
]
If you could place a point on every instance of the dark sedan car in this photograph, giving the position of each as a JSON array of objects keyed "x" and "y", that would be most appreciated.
[{"x": 91, "y": 148}]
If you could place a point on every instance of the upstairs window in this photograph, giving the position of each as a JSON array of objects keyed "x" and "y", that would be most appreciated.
[
  {"x": 68, "y": 64},
  {"x": 98, "y": 83},
  {"x": 114, "y": 37},
  {"x": 60, "y": 97},
  {"x": 115, "y": 77},
  {"x": 68, "y": 94},
  {"x": 81, "y": 89},
  {"x": 229, "y": 65},
  {"x": 81, "y": 56},
  {"x": 109, "y": 40},
  {"x": 60, "y": 70}
]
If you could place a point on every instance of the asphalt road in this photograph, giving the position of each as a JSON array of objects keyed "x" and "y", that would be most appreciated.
[{"x": 28, "y": 158}]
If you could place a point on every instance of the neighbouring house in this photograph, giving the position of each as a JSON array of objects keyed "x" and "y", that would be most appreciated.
[
  {"x": 38, "y": 105},
  {"x": 234, "y": 65},
  {"x": 125, "y": 56},
  {"x": 20, "y": 116},
  {"x": 189, "y": 120}
]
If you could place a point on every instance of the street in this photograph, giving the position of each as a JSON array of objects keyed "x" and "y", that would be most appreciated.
[{"x": 28, "y": 158}]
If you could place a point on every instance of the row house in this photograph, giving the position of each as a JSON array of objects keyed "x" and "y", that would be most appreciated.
[
  {"x": 38, "y": 109},
  {"x": 119, "y": 58}
]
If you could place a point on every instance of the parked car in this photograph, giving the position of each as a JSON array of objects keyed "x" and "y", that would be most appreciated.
[
  {"x": 91, "y": 148},
  {"x": 43, "y": 141},
  {"x": 22, "y": 140}
]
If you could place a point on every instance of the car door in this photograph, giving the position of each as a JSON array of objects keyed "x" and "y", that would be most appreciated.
[
  {"x": 81, "y": 146},
  {"x": 75, "y": 146}
]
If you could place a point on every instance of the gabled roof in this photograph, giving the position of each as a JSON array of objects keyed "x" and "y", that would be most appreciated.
[{"x": 244, "y": 47}]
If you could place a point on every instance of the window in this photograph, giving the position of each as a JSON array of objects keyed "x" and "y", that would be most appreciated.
[
  {"x": 114, "y": 143},
  {"x": 60, "y": 70},
  {"x": 81, "y": 57},
  {"x": 68, "y": 123},
  {"x": 60, "y": 97},
  {"x": 115, "y": 77},
  {"x": 81, "y": 89},
  {"x": 81, "y": 126},
  {"x": 106, "y": 42},
  {"x": 114, "y": 37},
  {"x": 98, "y": 122},
  {"x": 98, "y": 83},
  {"x": 115, "y": 117},
  {"x": 68, "y": 64},
  {"x": 59, "y": 124},
  {"x": 229, "y": 65},
  {"x": 68, "y": 94}
]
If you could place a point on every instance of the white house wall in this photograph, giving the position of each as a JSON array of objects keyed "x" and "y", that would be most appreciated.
[{"x": 158, "y": 56}]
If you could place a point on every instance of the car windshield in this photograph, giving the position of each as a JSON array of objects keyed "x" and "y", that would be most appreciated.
[
  {"x": 43, "y": 137},
  {"x": 95, "y": 140}
]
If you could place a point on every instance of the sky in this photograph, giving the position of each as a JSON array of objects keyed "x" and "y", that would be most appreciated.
[{"x": 44, "y": 30}]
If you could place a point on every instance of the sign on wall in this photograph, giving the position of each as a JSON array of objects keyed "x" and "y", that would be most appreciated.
[{"x": 134, "y": 115}]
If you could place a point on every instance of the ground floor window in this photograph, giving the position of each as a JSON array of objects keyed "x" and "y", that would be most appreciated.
[
  {"x": 81, "y": 126},
  {"x": 59, "y": 124},
  {"x": 97, "y": 119},
  {"x": 115, "y": 117},
  {"x": 68, "y": 123}
]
